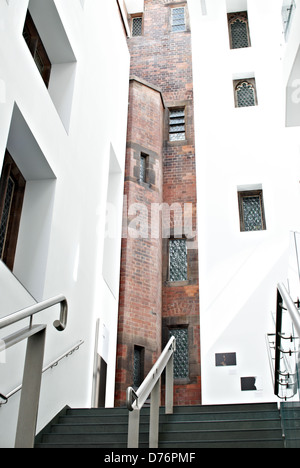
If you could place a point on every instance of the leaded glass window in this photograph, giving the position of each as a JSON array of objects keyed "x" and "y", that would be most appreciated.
[
  {"x": 137, "y": 26},
  {"x": 177, "y": 124},
  {"x": 239, "y": 30},
  {"x": 181, "y": 355},
  {"x": 178, "y": 19},
  {"x": 178, "y": 260},
  {"x": 251, "y": 211},
  {"x": 245, "y": 94}
]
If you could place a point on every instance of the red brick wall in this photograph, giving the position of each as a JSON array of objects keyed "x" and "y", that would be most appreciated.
[
  {"x": 140, "y": 305},
  {"x": 164, "y": 59}
]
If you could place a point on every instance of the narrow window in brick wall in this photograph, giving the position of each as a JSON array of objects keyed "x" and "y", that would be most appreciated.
[
  {"x": 245, "y": 93},
  {"x": 177, "y": 260},
  {"x": 137, "y": 26},
  {"x": 181, "y": 356},
  {"x": 239, "y": 30},
  {"x": 138, "y": 366},
  {"x": 251, "y": 208},
  {"x": 178, "y": 19},
  {"x": 177, "y": 124},
  {"x": 37, "y": 49},
  {"x": 144, "y": 168}
]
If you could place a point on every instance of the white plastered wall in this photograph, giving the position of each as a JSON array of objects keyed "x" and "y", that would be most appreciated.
[
  {"x": 77, "y": 149},
  {"x": 236, "y": 148}
]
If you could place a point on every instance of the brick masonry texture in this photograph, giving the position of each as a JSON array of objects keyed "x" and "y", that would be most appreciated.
[{"x": 149, "y": 303}]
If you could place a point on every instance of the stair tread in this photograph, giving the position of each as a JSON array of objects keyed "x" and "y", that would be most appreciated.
[{"x": 246, "y": 425}]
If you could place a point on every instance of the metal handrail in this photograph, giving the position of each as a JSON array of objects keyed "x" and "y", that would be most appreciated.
[
  {"x": 135, "y": 399},
  {"x": 284, "y": 302},
  {"x": 53, "y": 364},
  {"x": 290, "y": 305},
  {"x": 60, "y": 324},
  {"x": 32, "y": 377}
]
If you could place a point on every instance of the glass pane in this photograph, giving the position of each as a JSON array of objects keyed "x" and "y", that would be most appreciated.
[
  {"x": 181, "y": 356},
  {"x": 137, "y": 367},
  {"x": 178, "y": 19},
  {"x": 252, "y": 213},
  {"x": 137, "y": 26},
  {"x": 239, "y": 34},
  {"x": 177, "y": 113},
  {"x": 178, "y": 260},
  {"x": 6, "y": 212},
  {"x": 245, "y": 95},
  {"x": 177, "y": 136},
  {"x": 143, "y": 164}
]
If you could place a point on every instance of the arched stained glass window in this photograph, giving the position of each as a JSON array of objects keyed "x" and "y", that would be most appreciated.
[
  {"x": 239, "y": 30},
  {"x": 245, "y": 94},
  {"x": 239, "y": 34}
]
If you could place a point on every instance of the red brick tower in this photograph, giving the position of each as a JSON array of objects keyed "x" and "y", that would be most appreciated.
[{"x": 159, "y": 291}]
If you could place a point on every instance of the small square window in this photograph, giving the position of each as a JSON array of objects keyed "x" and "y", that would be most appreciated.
[
  {"x": 177, "y": 260},
  {"x": 178, "y": 19},
  {"x": 177, "y": 124},
  {"x": 137, "y": 26},
  {"x": 251, "y": 209}
]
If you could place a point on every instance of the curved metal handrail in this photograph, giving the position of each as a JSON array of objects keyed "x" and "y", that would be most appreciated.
[
  {"x": 33, "y": 367},
  {"x": 60, "y": 324}
]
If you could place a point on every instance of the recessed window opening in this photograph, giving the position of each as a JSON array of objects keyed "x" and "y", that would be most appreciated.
[
  {"x": 29, "y": 235},
  {"x": 178, "y": 270},
  {"x": 181, "y": 356},
  {"x": 37, "y": 49},
  {"x": 239, "y": 30},
  {"x": 46, "y": 37},
  {"x": 144, "y": 168},
  {"x": 137, "y": 26},
  {"x": 245, "y": 93},
  {"x": 251, "y": 207},
  {"x": 177, "y": 124},
  {"x": 12, "y": 188},
  {"x": 178, "y": 19},
  {"x": 138, "y": 366}
]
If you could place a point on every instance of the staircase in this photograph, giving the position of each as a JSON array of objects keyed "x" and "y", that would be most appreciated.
[{"x": 221, "y": 426}]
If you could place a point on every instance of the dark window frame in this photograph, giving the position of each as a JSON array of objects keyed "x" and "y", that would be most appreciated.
[
  {"x": 251, "y": 193},
  {"x": 37, "y": 49},
  {"x": 144, "y": 168},
  {"x": 138, "y": 351},
  {"x": 11, "y": 171}
]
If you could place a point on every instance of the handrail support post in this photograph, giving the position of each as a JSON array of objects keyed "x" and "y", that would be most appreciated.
[
  {"x": 133, "y": 429},
  {"x": 170, "y": 385},
  {"x": 154, "y": 416},
  {"x": 32, "y": 377}
]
